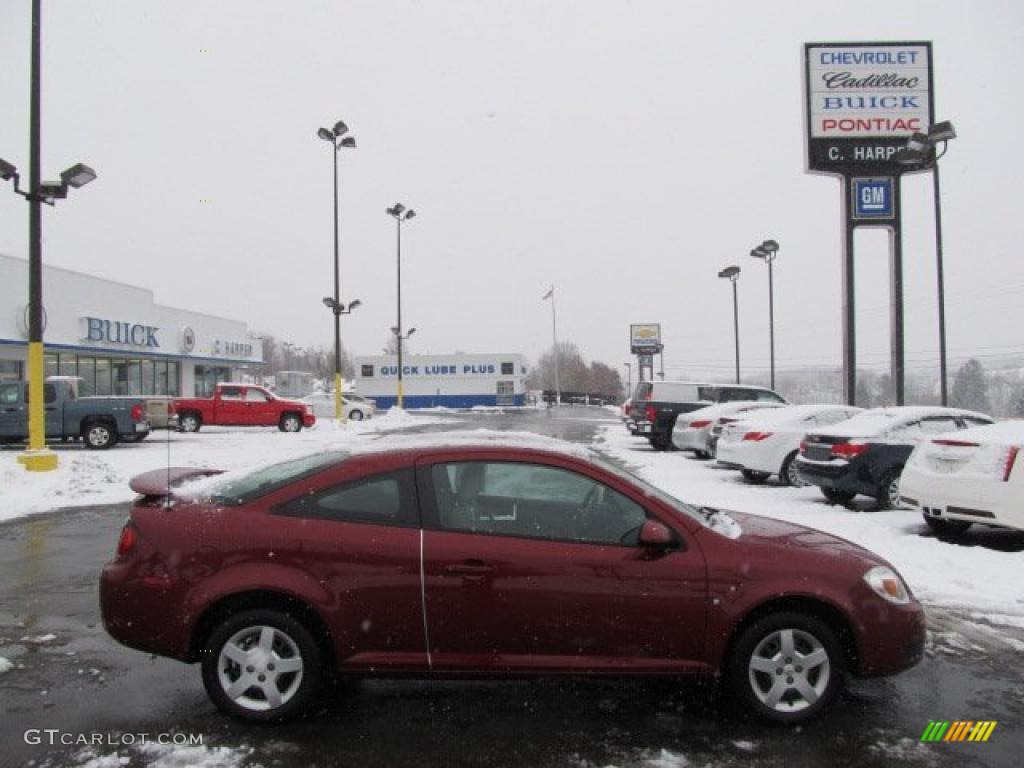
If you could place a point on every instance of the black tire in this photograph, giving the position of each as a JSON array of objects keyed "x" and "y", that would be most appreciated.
[
  {"x": 758, "y": 670},
  {"x": 788, "y": 474},
  {"x": 702, "y": 455},
  {"x": 888, "y": 496},
  {"x": 190, "y": 422},
  {"x": 356, "y": 415},
  {"x": 290, "y": 422},
  {"x": 661, "y": 442},
  {"x": 838, "y": 497},
  {"x": 753, "y": 477},
  {"x": 99, "y": 436},
  {"x": 947, "y": 527},
  {"x": 291, "y": 642}
]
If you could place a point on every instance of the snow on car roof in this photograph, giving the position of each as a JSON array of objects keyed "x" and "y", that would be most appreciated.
[
  {"x": 476, "y": 438},
  {"x": 790, "y": 413},
  {"x": 878, "y": 420},
  {"x": 731, "y": 407}
]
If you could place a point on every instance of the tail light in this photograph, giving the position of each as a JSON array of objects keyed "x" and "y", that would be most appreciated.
[
  {"x": 848, "y": 450},
  {"x": 726, "y": 420},
  {"x": 756, "y": 437},
  {"x": 957, "y": 443},
  {"x": 138, "y": 411},
  {"x": 700, "y": 423},
  {"x": 803, "y": 446},
  {"x": 649, "y": 413},
  {"x": 126, "y": 543},
  {"x": 626, "y": 408},
  {"x": 1011, "y": 457}
]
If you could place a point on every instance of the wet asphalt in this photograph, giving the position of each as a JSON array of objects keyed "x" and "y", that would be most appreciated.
[{"x": 82, "y": 682}]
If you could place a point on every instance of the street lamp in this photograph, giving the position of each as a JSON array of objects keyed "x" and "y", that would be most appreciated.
[
  {"x": 338, "y": 309},
  {"x": 336, "y": 136},
  {"x": 37, "y": 458},
  {"x": 399, "y": 213},
  {"x": 767, "y": 251},
  {"x": 732, "y": 274},
  {"x": 921, "y": 154}
]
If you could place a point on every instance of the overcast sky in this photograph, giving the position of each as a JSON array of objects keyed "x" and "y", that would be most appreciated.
[{"x": 623, "y": 151}]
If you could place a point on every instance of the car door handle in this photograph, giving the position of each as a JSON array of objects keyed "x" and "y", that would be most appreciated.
[{"x": 469, "y": 569}]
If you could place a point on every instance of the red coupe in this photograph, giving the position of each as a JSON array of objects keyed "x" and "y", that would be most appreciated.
[{"x": 486, "y": 558}]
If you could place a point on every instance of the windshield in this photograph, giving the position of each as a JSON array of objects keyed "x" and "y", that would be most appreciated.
[{"x": 241, "y": 487}]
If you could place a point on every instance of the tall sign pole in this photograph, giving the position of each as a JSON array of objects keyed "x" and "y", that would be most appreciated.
[
  {"x": 863, "y": 101},
  {"x": 554, "y": 341}
]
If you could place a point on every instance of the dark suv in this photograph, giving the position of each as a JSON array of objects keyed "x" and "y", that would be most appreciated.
[{"x": 865, "y": 454}]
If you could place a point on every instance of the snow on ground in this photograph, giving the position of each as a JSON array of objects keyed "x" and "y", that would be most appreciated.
[
  {"x": 5, "y": 665},
  {"x": 85, "y": 477},
  {"x": 975, "y": 578}
]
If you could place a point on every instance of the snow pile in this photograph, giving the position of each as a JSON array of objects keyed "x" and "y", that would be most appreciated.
[
  {"x": 169, "y": 756},
  {"x": 85, "y": 478},
  {"x": 5, "y": 665},
  {"x": 976, "y": 578}
]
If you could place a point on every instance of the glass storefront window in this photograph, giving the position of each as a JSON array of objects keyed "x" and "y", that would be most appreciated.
[
  {"x": 103, "y": 383},
  {"x": 148, "y": 381},
  {"x": 173, "y": 379},
  {"x": 10, "y": 370},
  {"x": 68, "y": 365},
  {"x": 134, "y": 377},
  {"x": 207, "y": 377},
  {"x": 49, "y": 365},
  {"x": 87, "y": 370}
]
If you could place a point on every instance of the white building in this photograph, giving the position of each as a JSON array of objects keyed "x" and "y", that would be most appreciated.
[
  {"x": 117, "y": 338},
  {"x": 453, "y": 381}
]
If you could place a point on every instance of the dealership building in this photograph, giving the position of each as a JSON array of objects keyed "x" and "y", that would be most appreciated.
[
  {"x": 451, "y": 381},
  {"x": 117, "y": 338}
]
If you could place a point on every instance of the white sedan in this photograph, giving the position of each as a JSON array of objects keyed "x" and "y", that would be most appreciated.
[
  {"x": 692, "y": 431},
  {"x": 970, "y": 476},
  {"x": 356, "y": 406},
  {"x": 765, "y": 443}
]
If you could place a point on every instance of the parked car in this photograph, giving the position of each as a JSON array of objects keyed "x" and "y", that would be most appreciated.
[
  {"x": 693, "y": 433},
  {"x": 99, "y": 421},
  {"x": 972, "y": 476},
  {"x": 243, "y": 405},
  {"x": 766, "y": 442},
  {"x": 356, "y": 407},
  {"x": 658, "y": 404},
  {"x": 483, "y": 558},
  {"x": 866, "y": 454}
]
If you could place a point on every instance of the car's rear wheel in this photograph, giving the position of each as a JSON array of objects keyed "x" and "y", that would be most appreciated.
[
  {"x": 290, "y": 422},
  {"x": 99, "y": 436},
  {"x": 661, "y": 442},
  {"x": 786, "y": 667},
  {"x": 356, "y": 415},
  {"x": 753, "y": 477},
  {"x": 889, "y": 490},
  {"x": 262, "y": 665},
  {"x": 838, "y": 497},
  {"x": 789, "y": 475},
  {"x": 947, "y": 527},
  {"x": 702, "y": 454},
  {"x": 190, "y": 422}
]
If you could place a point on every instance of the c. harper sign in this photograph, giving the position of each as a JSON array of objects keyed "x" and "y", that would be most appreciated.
[{"x": 863, "y": 101}]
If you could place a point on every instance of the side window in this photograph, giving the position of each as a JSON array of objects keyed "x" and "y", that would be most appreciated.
[
  {"x": 939, "y": 424},
  {"x": 508, "y": 369},
  {"x": 49, "y": 394},
  {"x": 766, "y": 396},
  {"x": 10, "y": 394},
  {"x": 255, "y": 396},
  {"x": 231, "y": 393},
  {"x": 971, "y": 421},
  {"x": 911, "y": 430},
  {"x": 366, "y": 371},
  {"x": 533, "y": 501},
  {"x": 709, "y": 394},
  {"x": 388, "y": 499}
]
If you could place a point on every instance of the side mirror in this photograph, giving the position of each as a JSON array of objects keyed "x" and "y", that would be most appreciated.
[{"x": 655, "y": 534}]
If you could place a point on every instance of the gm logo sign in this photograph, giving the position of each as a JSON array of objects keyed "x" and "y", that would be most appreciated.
[{"x": 872, "y": 198}]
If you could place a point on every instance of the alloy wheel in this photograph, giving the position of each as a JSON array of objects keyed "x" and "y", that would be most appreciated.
[
  {"x": 789, "y": 670},
  {"x": 260, "y": 668}
]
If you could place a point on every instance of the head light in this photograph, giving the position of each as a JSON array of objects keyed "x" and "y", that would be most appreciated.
[{"x": 887, "y": 584}]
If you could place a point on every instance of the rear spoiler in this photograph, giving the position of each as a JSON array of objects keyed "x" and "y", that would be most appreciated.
[{"x": 161, "y": 482}]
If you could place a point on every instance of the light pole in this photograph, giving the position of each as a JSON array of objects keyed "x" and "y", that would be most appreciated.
[
  {"x": 336, "y": 136},
  {"x": 37, "y": 458},
  {"x": 338, "y": 309},
  {"x": 399, "y": 338},
  {"x": 767, "y": 251},
  {"x": 554, "y": 342},
  {"x": 921, "y": 153},
  {"x": 732, "y": 274},
  {"x": 629, "y": 379},
  {"x": 399, "y": 213}
]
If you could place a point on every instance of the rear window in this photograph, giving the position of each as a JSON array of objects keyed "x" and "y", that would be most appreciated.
[
  {"x": 643, "y": 390},
  {"x": 241, "y": 488}
]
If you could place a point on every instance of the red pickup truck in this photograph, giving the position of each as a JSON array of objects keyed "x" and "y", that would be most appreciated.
[{"x": 243, "y": 405}]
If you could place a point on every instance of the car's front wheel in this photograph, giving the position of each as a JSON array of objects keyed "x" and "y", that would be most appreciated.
[
  {"x": 889, "y": 491},
  {"x": 754, "y": 477},
  {"x": 789, "y": 475},
  {"x": 262, "y": 665},
  {"x": 290, "y": 422},
  {"x": 190, "y": 422},
  {"x": 787, "y": 668},
  {"x": 99, "y": 436},
  {"x": 356, "y": 415}
]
